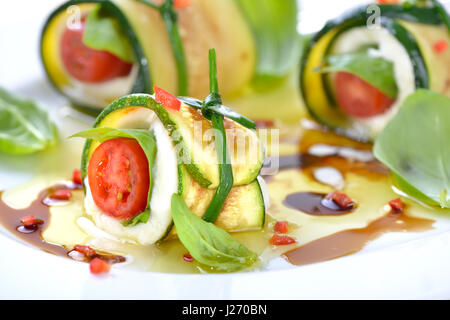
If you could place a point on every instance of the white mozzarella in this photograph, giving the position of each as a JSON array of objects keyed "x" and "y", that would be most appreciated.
[{"x": 100, "y": 94}]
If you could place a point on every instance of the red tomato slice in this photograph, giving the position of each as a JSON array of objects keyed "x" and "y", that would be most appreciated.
[
  {"x": 119, "y": 178},
  {"x": 358, "y": 98},
  {"x": 180, "y": 4},
  {"x": 168, "y": 100},
  {"x": 87, "y": 64}
]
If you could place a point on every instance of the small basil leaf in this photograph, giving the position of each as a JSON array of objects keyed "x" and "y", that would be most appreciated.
[
  {"x": 146, "y": 140},
  {"x": 24, "y": 126},
  {"x": 103, "y": 32},
  {"x": 414, "y": 145},
  {"x": 208, "y": 244},
  {"x": 375, "y": 70},
  {"x": 274, "y": 26},
  {"x": 141, "y": 217}
]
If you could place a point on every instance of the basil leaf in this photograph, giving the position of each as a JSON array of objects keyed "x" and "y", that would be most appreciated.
[
  {"x": 208, "y": 244},
  {"x": 103, "y": 32},
  {"x": 375, "y": 70},
  {"x": 146, "y": 140},
  {"x": 414, "y": 145},
  {"x": 274, "y": 25},
  {"x": 141, "y": 217},
  {"x": 24, "y": 126}
]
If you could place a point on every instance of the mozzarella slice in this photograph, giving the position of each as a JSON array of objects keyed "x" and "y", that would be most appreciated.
[{"x": 100, "y": 94}]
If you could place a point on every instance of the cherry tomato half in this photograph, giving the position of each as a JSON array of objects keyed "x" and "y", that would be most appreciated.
[
  {"x": 119, "y": 178},
  {"x": 358, "y": 98},
  {"x": 86, "y": 64}
]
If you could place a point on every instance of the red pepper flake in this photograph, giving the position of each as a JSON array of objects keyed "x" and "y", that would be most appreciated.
[
  {"x": 61, "y": 194},
  {"x": 187, "y": 257},
  {"x": 278, "y": 240},
  {"x": 341, "y": 199},
  {"x": 180, "y": 4},
  {"x": 397, "y": 205},
  {"x": 30, "y": 221},
  {"x": 98, "y": 266},
  {"x": 387, "y": 1},
  {"x": 281, "y": 227},
  {"x": 87, "y": 251},
  {"x": 76, "y": 177},
  {"x": 440, "y": 46},
  {"x": 168, "y": 100}
]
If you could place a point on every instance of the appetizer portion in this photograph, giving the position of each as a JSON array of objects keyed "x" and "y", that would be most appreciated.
[
  {"x": 96, "y": 51},
  {"x": 143, "y": 149},
  {"x": 361, "y": 66}
]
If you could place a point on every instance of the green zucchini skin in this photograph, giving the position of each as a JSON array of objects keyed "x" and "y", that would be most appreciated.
[
  {"x": 143, "y": 82},
  {"x": 390, "y": 19}
]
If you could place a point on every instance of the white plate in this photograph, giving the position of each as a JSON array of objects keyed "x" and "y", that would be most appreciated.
[{"x": 396, "y": 266}]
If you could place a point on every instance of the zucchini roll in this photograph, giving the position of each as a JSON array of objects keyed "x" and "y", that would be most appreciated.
[
  {"x": 140, "y": 152},
  {"x": 360, "y": 67},
  {"x": 95, "y": 51}
]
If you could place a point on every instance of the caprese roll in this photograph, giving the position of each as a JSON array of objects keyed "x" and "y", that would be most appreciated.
[
  {"x": 360, "y": 67},
  {"x": 141, "y": 151},
  {"x": 95, "y": 51}
]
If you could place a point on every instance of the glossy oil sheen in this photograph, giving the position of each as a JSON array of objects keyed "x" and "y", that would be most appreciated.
[
  {"x": 314, "y": 203},
  {"x": 350, "y": 241},
  {"x": 10, "y": 219}
]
